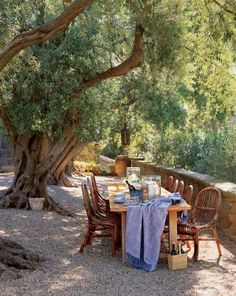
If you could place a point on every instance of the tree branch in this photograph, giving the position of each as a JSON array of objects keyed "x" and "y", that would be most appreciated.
[
  {"x": 9, "y": 126},
  {"x": 225, "y": 8},
  {"x": 43, "y": 32},
  {"x": 133, "y": 61}
]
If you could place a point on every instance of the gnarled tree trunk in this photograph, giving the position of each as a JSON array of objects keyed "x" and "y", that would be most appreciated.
[
  {"x": 57, "y": 173},
  {"x": 27, "y": 182},
  {"x": 33, "y": 161}
]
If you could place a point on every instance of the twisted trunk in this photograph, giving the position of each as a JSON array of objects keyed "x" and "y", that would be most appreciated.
[
  {"x": 57, "y": 173},
  {"x": 27, "y": 182},
  {"x": 33, "y": 161}
]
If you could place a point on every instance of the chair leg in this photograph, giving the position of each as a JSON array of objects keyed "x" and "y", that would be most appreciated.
[
  {"x": 114, "y": 240},
  {"x": 91, "y": 234},
  {"x": 196, "y": 247},
  {"x": 87, "y": 239},
  {"x": 84, "y": 241},
  {"x": 217, "y": 240}
]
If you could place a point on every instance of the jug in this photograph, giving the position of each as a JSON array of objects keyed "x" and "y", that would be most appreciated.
[{"x": 151, "y": 187}]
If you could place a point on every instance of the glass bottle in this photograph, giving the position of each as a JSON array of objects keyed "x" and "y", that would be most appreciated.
[{"x": 174, "y": 250}]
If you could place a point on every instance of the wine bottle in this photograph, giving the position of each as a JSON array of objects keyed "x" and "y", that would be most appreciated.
[
  {"x": 174, "y": 251},
  {"x": 131, "y": 187}
]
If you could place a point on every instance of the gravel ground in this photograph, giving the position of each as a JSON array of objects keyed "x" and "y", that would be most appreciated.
[{"x": 95, "y": 272}]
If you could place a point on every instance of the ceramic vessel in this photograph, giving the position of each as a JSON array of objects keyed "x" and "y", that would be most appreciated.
[{"x": 37, "y": 203}]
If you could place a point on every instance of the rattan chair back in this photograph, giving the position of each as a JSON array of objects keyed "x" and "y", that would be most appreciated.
[{"x": 206, "y": 207}]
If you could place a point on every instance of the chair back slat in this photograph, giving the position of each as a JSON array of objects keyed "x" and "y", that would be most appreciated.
[
  {"x": 94, "y": 184},
  {"x": 98, "y": 206},
  {"x": 188, "y": 195},
  {"x": 175, "y": 186},
  {"x": 169, "y": 183},
  {"x": 87, "y": 202},
  {"x": 102, "y": 204},
  {"x": 180, "y": 187}
]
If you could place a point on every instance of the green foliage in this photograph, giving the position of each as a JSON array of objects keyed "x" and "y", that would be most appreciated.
[
  {"x": 212, "y": 153},
  {"x": 176, "y": 105}
]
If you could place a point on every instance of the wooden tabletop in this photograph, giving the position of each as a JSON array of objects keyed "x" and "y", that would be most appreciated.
[{"x": 121, "y": 208}]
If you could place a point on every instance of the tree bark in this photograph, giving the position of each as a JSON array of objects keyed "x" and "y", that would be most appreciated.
[
  {"x": 57, "y": 173},
  {"x": 33, "y": 161},
  {"x": 43, "y": 32},
  {"x": 13, "y": 255}
]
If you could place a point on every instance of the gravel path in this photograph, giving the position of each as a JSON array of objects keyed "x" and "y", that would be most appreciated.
[{"x": 95, "y": 272}]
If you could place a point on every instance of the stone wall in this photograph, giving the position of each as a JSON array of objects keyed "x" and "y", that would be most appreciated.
[
  {"x": 227, "y": 217},
  {"x": 6, "y": 155}
]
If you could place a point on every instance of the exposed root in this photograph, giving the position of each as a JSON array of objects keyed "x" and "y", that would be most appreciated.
[
  {"x": 51, "y": 205},
  {"x": 19, "y": 201},
  {"x": 13, "y": 199},
  {"x": 61, "y": 181},
  {"x": 15, "y": 256}
]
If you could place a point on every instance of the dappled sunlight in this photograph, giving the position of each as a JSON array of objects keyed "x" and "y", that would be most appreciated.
[
  {"x": 70, "y": 278},
  {"x": 57, "y": 239},
  {"x": 48, "y": 216},
  {"x": 23, "y": 216},
  {"x": 3, "y": 188},
  {"x": 153, "y": 83},
  {"x": 66, "y": 220},
  {"x": 69, "y": 228}
]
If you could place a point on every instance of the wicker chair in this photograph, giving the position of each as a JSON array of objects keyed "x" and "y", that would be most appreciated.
[
  {"x": 180, "y": 187},
  {"x": 169, "y": 183},
  {"x": 105, "y": 226},
  {"x": 203, "y": 217}
]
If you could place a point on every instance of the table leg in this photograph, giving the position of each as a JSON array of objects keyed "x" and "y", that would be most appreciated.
[
  {"x": 172, "y": 228},
  {"x": 123, "y": 232}
]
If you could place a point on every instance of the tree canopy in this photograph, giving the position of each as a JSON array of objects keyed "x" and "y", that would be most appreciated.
[{"x": 81, "y": 69}]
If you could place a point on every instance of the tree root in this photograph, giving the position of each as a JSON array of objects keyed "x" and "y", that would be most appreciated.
[
  {"x": 51, "y": 205},
  {"x": 15, "y": 256},
  {"x": 19, "y": 201},
  {"x": 63, "y": 180}
]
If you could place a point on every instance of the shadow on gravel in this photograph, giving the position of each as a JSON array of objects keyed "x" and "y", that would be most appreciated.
[{"x": 94, "y": 272}]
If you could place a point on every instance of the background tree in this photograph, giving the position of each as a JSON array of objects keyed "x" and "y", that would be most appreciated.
[
  {"x": 57, "y": 86},
  {"x": 51, "y": 93},
  {"x": 40, "y": 105},
  {"x": 186, "y": 116}
]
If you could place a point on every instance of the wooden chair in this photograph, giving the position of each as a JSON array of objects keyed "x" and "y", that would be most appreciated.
[
  {"x": 169, "y": 183},
  {"x": 203, "y": 217},
  {"x": 188, "y": 195},
  {"x": 98, "y": 223},
  {"x": 100, "y": 203},
  {"x": 180, "y": 187},
  {"x": 174, "y": 187}
]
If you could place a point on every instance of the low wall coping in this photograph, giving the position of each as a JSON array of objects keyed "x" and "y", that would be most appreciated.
[{"x": 224, "y": 185}]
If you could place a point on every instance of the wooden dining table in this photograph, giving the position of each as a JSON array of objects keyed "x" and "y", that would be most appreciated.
[{"x": 122, "y": 210}]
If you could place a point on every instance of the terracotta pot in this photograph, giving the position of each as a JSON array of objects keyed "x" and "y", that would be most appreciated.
[{"x": 121, "y": 163}]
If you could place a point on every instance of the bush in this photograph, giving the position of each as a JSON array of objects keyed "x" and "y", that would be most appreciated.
[
  {"x": 91, "y": 166},
  {"x": 210, "y": 152}
]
